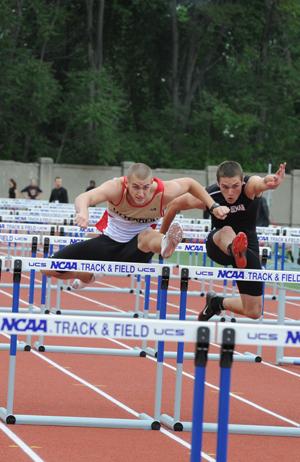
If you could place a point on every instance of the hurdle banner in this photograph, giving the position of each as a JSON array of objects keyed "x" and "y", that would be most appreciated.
[
  {"x": 193, "y": 247},
  {"x": 18, "y": 238},
  {"x": 280, "y": 239},
  {"x": 64, "y": 240},
  {"x": 149, "y": 329},
  {"x": 118, "y": 268},
  {"x": 237, "y": 274},
  {"x": 271, "y": 238},
  {"x": 95, "y": 327},
  {"x": 78, "y": 230},
  {"x": 94, "y": 266},
  {"x": 29, "y": 227}
]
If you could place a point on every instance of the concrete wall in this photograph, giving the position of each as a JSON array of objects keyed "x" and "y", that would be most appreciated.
[{"x": 285, "y": 201}]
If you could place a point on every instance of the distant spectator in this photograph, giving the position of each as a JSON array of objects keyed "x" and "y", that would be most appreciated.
[
  {"x": 32, "y": 191},
  {"x": 12, "y": 192},
  {"x": 59, "y": 193},
  {"x": 92, "y": 185},
  {"x": 263, "y": 213}
]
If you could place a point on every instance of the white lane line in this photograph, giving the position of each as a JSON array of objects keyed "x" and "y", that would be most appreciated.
[
  {"x": 83, "y": 297},
  {"x": 113, "y": 400},
  {"x": 292, "y": 303},
  {"x": 210, "y": 385},
  {"x": 265, "y": 363},
  {"x": 111, "y": 307},
  {"x": 274, "y": 366},
  {"x": 33, "y": 456},
  {"x": 107, "y": 396},
  {"x": 250, "y": 403},
  {"x": 150, "y": 298}
]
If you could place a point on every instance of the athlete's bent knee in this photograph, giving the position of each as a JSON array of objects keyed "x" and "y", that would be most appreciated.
[
  {"x": 253, "y": 311},
  {"x": 223, "y": 233},
  {"x": 143, "y": 239}
]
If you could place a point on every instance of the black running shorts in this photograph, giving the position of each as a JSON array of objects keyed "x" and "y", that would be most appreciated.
[
  {"x": 103, "y": 248},
  {"x": 253, "y": 262}
]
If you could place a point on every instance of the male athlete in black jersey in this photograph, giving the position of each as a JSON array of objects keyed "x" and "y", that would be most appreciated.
[{"x": 233, "y": 240}]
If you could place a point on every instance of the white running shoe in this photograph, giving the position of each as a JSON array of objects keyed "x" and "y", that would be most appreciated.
[
  {"x": 171, "y": 239},
  {"x": 77, "y": 284}
]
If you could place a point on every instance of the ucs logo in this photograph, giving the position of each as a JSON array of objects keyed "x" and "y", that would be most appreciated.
[
  {"x": 37, "y": 264},
  {"x": 269, "y": 336}
]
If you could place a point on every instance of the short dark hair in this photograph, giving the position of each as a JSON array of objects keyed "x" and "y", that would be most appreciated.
[
  {"x": 229, "y": 169},
  {"x": 141, "y": 171}
]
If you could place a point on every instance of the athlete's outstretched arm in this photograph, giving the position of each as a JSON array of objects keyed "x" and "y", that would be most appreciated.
[
  {"x": 184, "y": 202},
  {"x": 258, "y": 185},
  {"x": 180, "y": 186},
  {"x": 111, "y": 190}
]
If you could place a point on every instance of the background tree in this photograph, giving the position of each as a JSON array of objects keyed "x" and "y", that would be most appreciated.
[{"x": 173, "y": 83}]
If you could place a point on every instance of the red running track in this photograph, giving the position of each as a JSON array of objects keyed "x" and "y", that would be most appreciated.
[{"x": 122, "y": 387}]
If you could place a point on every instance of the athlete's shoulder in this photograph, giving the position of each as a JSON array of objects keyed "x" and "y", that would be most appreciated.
[
  {"x": 113, "y": 189},
  {"x": 213, "y": 189},
  {"x": 160, "y": 184}
]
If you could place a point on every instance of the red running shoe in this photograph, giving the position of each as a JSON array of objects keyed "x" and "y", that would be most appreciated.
[{"x": 239, "y": 248}]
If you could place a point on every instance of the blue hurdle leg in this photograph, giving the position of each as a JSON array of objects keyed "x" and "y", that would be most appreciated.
[
  {"x": 224, "y": 393},
  {"x": 161, "y": 344},
  {"x": 198, "y": 404},
  {"x": 180, "y": 347},
  {"x": 173, "y": 422},
  {"x": 13, "y": 338},
  {"x": 146, "y": 304}
]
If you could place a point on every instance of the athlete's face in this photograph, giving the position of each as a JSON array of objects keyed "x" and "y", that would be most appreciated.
[
  {"x": 139, "y": 190},
  {"x": 231, "y": 188}
]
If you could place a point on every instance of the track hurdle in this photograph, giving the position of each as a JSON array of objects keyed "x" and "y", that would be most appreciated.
[
  {"x": 61, "y": 241},
  {"x": 92, "y": 327},
  {"x": 111, "y": 268},
  {"x": 249, "y": 334},
  {"x": 16, "y": 288},
  {"x": 281, "y": 358},
  {"x": 226, "y": 334}
]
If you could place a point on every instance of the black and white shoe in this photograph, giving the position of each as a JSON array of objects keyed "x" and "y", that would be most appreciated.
[{"x": 211, "y": 308}]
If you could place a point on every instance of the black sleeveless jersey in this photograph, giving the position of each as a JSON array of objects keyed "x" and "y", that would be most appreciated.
[{"x": 243, "y": 212}]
